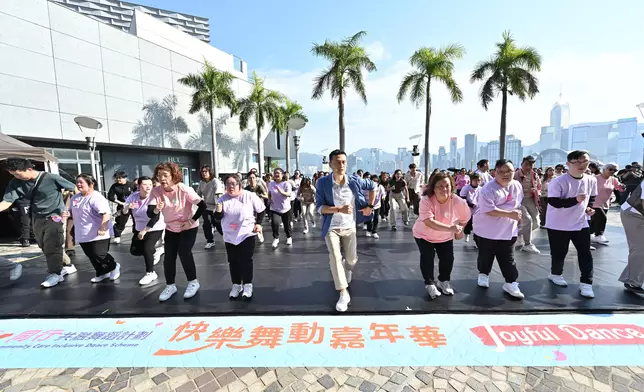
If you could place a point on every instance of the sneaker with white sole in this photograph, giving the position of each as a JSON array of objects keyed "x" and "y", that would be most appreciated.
[
  {"x": 16, "y": 272},
  {"x": 148, "y": 278},
  {"x": 168, "y": 292},
  {"x": 558, "y": 280},
  {"x": 530, "y": 248},
  {"x": 116, "y": 273},
  {"x": 483, "y": 281},
  {"x": 467, "y": 238},
  {"x": 209, "y": 245},
  {"x": 364, "y": 227},
  {"x": 52, "y": 280},
  {"x": 116, "y": 240},
  {"x": 100, "y": 278},
  {"x": 586, "y": 290},
  {"x": 592, "y": 248},
  {"x": 313, "y": 224},
  {"x": 432, "y": 291},
  {"x": 191, "y": 290},
  {"x": 306, "y": 231},
  {"x": 343, "y": 303},
  {"x": 513, "y": 289},
  {"x": 520, "y": 242},
  {"x": 68, "y": 270},
  {"x": 368, "y": 234},
  {"x": 157, "y": 254},
  {"x": 235, "y": 291},
  {"x": 248, "y": 291},
  {"x": 289, "y": 241},
  {"x": 445, "y": 287},
  {"x": 260, "y": 238},
  {"x": 275, "y": 243},
  {"x": 600, "y": 239},
  {"x": 375, "y": 236}
]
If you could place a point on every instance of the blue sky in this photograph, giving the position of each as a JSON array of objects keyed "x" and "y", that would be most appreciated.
[{"x": 593, "y": 50}]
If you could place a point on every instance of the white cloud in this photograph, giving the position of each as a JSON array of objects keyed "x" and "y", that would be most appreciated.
[
  {"x": 377, "y": 52},
  {"x": 599, "y": 87}
]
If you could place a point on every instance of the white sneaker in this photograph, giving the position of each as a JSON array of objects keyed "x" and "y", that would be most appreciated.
[
  {"x": 52, "y": 280},
  {"x": 592, "y": 248},
  {"x": 313, "y": 224},
  {"x": 281, "y": 224},
  {"x": 168, "y": 292},
  {"x": 530, "y": 248},
  {"x": 248, "y": 291},
  {"x": 116, "y": 273},
  {"x": 467, "y": 238},
  {"x": 148, "y": 278},
  {"x": 157, "y": 254},
  {"x": 586, "y": 290},
  {"x": 16, "y": 272},
  {"x": 191, "y": 290},
  {"x": 275, "y": 243},
  {"x": 558, "y": 280},
  {"x": 445, "y": 287},
  {"x": 384, "y": 219},
  {"x": 375, "y": 236},
  {"x": 68, "y": 270},
  {"x": 343, "y": 303},
  {"x": 306, "y": 231},
  {"x": 368, "y": 234},
  {"x": 513, "y": 289},
  {"x": 483, "y": 281},
  {"x": 116, "y": 240},
  {"x": 406, "y": 223},
  {"x": 289, "y": 241},
  {"x": 600, "y": 239},
  {"x": 432, "y": 291},
  {"x": 592, "y": 238},
  {"x": 100, "y": 278},
  {"x": 209, "y": 245},
  {"x": 294, "y": 220},
  {"x": 364, "y": 227},
  {"x": 260, "y": 238},
  {"x": 520, "y": 242},
  {"x": 235, "y": 291},
  {"x": 291, "y": 224}
]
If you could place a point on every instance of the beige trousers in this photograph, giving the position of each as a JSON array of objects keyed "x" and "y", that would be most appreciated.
[
  {"x": 633, "y": 224},
  {"x": 529, "y": 219},
  {"x": 336, "y": 241}
]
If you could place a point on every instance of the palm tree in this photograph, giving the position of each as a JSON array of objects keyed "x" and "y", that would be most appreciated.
[
  {"x": 348, "y": 59},
  {"x": 508, "y": 71},
  {"x": 244, "y": 151},
  {"x": 203, "y": 139},
  {"x": 261, "y": 105},
  {"x": 431, "y": 64},
  {"x": 287, "y": 112},
  {"x": 212, "y": 89},
  {"x": 160, "y": 127}
]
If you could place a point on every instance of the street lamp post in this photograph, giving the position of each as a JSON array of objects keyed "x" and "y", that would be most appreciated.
[
  {"x": 88, "y": 127},
  {"x": 295, "y": 125}
]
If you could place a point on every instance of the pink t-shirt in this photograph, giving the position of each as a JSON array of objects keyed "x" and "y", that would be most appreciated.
[
  {"x": 462, "y": 180},
  {"x": 239, "y": 216},
  {"x": 279, "y": 202},
  {"x": 88, "y": 212},
  {"x": 140, "y": 212},
  {"x": 493, "y": 196},
  {"x": 178, "y": 206},
  {"x": 452, "y": 211},
  {"x": 566, "y": 186},
  {"x": 605, "y": 188}
]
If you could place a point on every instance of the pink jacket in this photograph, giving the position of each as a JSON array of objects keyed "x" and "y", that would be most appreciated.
[{"x": 536, "y": 183}]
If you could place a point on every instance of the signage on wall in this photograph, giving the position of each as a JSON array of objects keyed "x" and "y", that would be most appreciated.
[{"x": 176, "y": 160}]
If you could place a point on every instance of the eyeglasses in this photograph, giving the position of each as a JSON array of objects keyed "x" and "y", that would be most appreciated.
[
  {"x": 231, "y": 184},
  {"x": 612, "y": 170}
]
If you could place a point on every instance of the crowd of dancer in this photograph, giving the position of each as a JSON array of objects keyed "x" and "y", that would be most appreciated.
[{"x": 493, "y": 210}]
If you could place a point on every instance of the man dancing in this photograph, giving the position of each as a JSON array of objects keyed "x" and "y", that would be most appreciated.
[{"x": 338, "y": 197}]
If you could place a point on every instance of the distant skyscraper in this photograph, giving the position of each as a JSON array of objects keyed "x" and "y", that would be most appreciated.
[
  {"x": 560, "y": 114},
  {"x": 452, "y": 152},
  {"x": 482, "y": 153},
  {"x": 513, "y": 150},
  {"x": 469, "y": 155}
]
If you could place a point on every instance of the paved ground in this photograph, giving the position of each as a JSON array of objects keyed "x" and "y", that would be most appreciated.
[{"x": 407, "y": 379}]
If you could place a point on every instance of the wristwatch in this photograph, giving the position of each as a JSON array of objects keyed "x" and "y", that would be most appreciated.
[{"x": 370, "y": 206}]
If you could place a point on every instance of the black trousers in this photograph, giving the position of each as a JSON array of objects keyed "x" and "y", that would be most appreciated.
[
  {"x": 414, "y": 200},
  {"x": 384, "y": 207},
  {"x": 372, "y": 225},
  {"x": 22, "y": 219},
  {"x": 285, "y": 218},
  {"x": 179, "y": 244},
  {"x": 598, "y": 221},
  {"x": 240, "y": 260},
  {"x": 145, "y": 248},
  {"x": 445, "y": 252},
  {"x": 208, "y": 222},
  {"x": 559, "y": 242},
  {"x": 119, "y": 222},
  {"x": 503, "y": 250},
  {"x": 468, "y": 227},
  {"x": 98, "y": 254},
  {"x": 296, "y": 207}
]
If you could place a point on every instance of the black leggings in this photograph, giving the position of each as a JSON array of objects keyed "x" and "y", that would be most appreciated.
[
  {"x": 598, "y": 221},
  {"x": 372, "y": 225},
  {"x": 145, "y": 248},
  {"x": 503, "y": 250},
  {"x": 240, "y": 260},
  {"x": 208, "y": 221},
  {"x": 180, "y": 244},
  {"x": 98, "y": 254},
  {"x": 559, "y": 243},
  {"x": 384, "y": 207},
  {"x": 285, "y": 219},
  {"x": 468, "y": 227},
  {"x": 445, "y": 252},
  {"x": 120, "y": 221}
]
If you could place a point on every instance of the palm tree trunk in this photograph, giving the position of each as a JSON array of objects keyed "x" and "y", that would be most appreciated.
[
  {"x": 260, "y": 155},
  {"x": 288, "y": 153},
  {"x": 215, "y": 163},
  {"x": 341, "y": 119},
  {"x": 504, "y": 112},
  {"x": 428, "y": 115}
]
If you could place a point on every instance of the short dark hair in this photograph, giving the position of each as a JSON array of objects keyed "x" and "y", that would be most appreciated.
[
  {"x": 530, "y": 159},
  {"x": 19, "y": 164},
  {"x": 474, "y": 176},
  {"x": 140, "y": 180},
  {"x": 87, "y": 178},
  {"x": 206, "y": 167},
  {"x": 120, "y": 174},
  {"x": 412, "y": 166},
  {"x": 359, "y": 171},
  {"x": 559, "y": 165},
  {"x": 429, "y": 189},
  {"x": 576, "y": 154},
  {"x": 335, "y": 153},
  {"x": 502, "y": 162},
  {"x": 482, "y": 162}
]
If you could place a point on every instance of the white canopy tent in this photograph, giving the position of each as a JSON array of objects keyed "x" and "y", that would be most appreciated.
[{"x": 14, "y": 148}]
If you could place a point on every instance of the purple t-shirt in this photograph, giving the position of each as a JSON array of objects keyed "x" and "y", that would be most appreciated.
[
  {"x": 566, "y": 186},
  {"x": 469, "y": 193},
  {"x": 88, "y": 212},
  {"x": 279, "y": 202},
  {"x": 140, "y": 212},
  {"x": 493, "y": 196},
  {"x": 239, "y": 216}
]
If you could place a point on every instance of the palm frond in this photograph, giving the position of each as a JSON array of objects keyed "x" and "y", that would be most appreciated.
[
  {"x": 355, "y": 77},
  {"x": 409, "y": 82},
  {"x": 482, "y": 69}
]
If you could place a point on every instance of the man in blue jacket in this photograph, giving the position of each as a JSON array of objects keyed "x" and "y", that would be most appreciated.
[{"x": 338, "y": 198}]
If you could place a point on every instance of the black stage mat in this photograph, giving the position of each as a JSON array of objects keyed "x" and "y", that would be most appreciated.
[{"x": 297, "y": 280}]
